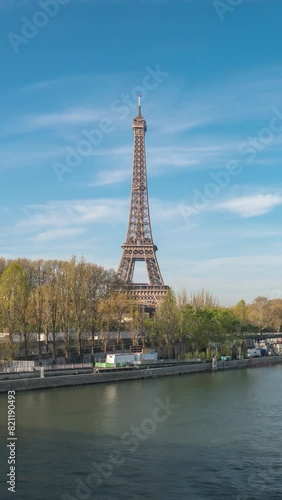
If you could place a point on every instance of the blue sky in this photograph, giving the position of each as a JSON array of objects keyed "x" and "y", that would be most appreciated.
[{"x": 211, "y": 78}]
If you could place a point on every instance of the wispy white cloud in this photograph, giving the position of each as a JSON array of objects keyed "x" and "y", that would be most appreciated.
[
  {"x": 251, "y": 206},
  {"x": 163, "y": 210},
  {"x": 57, "y": 222},
  {"x": 244, "y": 96},
  {"x": 108, "y": 177},
  {"x": 26, "y": 155},
  {"x": 248, "y": 95},
  {"x": 160, "y": 160},
  {"x": 113, "y": 152},
  {"x": 66, "y": 117},
  {"x": 57, "y": 235},
  {"x": 41, "y": 85},
  {"x": 65, "y": 214},
  {"x": 252, "y": 264}
]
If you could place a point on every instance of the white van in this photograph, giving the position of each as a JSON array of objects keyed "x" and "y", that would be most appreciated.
[{"x": 253, "y": 353}]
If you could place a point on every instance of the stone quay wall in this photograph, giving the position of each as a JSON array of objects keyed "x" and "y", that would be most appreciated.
[{"x": 28, "y": 384}]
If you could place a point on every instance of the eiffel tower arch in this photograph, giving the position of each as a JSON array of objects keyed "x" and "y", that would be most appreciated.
[{"x": 139, "y": 245}]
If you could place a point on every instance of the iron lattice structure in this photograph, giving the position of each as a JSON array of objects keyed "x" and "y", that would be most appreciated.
[{"x": 139, "y": 245}]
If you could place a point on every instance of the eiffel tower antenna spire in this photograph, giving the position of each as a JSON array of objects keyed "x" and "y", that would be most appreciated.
[{"x": 139, "y": 245}]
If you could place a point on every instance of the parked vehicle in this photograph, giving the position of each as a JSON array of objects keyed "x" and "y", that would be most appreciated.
[{"x": 253, "y": 353}]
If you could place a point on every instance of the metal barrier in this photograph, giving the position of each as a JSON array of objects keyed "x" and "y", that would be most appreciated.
[
  {"x": 22, "y": 369},
  {"x": 18, "y": 370},
  {"x": 74, "y": 366}
]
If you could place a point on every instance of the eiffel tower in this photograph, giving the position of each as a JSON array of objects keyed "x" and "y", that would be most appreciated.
[{"x": 139, "y": 244}]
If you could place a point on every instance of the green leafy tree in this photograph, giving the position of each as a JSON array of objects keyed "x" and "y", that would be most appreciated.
[
  {"x": 66, "y": 310},
  {"x": 14, "y": 291},
  {"x": 101, "y": 284},
  {"x": 79, "y": 297},
  {"x": 166, "y": 326}
]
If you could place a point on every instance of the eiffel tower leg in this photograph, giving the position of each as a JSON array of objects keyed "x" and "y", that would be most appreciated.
[
  {"x": 153, "y": 271},
  {"x": 126, "y": 269}
]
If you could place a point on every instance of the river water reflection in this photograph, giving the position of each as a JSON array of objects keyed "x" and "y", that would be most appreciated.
[{"x": 206, "y": 436}]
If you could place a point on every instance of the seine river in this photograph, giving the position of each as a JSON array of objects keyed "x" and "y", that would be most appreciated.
[{"x": 207, "y": 436}]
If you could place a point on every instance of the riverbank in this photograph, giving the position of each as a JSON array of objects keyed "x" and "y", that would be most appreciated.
[{"x": 29, "y": 384}]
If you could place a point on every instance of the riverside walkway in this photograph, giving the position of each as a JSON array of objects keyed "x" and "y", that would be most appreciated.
[{"x": 154, "y": 371}]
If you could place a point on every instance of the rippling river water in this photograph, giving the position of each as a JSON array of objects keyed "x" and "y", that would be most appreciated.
[{"x": 206, "y": 436}]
